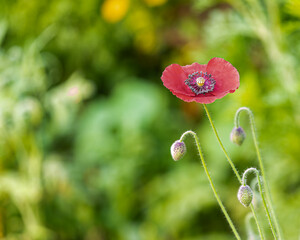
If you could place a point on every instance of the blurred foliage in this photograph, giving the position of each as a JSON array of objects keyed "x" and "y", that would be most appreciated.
[{"x": 86, "y": 124}]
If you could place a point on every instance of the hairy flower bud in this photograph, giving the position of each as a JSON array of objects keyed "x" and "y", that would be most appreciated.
[
  {"x": 245, "y": 195},
  {"x": 178, "y": 150},
  {"x": 238, "y": 136}
]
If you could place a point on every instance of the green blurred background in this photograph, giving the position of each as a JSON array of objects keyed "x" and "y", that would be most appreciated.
[{"x": 86, "y": 124}]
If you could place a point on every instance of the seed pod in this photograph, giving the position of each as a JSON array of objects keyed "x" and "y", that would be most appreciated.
[
  {"x": 178, "y": 150},
  {"x": 245, "y": 195}
]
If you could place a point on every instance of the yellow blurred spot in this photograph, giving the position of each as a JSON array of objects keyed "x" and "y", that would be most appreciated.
[
  {"x": 145, "y": 41},
  {"x": 139, "y": 20},
  {"x": 114, "y": 10},
  {"x": 153, "y": 3},
  {"x": 293, "y": 7}
]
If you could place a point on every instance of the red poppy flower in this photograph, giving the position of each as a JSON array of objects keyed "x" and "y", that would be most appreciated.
[{"x": 201, "y": 83}]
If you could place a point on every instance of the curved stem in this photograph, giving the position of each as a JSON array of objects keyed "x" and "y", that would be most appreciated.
[
  {"x": 232, "y": 166},
  {"x": 261, "y": 166},
  {"x": 211, "y": 183},
  {"x": 254, "y": 170}
]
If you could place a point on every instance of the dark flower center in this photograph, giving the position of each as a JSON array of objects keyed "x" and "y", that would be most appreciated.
[{"x": 200, "y": 83}]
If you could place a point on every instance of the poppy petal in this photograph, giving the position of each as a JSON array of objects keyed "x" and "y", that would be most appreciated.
[
  {"x": 173, "y": 78},
  {"x": 200, "y": 98},
  {"x": 195, "y": 67},
  {"x": 225, "y": 75}
]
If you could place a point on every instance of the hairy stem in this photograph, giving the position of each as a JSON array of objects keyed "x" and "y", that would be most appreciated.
[
  {"x": 261, "y": 234},
  {"x": 211, "y": 183},
  {"x": 265, "y": 185},
  {"x": 222, "y": 146},
  {"x": 232, "y": 166},
  {"x": 254, "y": 170},
  {"x": 250, "y": 232}
]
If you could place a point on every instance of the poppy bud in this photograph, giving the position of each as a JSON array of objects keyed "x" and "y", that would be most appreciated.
[
  {"x": 178, "y": 150},
  {"x": 245, "y": 195},
  {"x": 238, "y": 136}
]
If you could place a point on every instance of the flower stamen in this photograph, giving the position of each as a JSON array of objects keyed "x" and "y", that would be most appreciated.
[{"x": 200, "y": 83}]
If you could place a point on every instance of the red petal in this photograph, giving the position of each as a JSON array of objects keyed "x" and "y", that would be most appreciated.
[
  {"x": 189, "y": 69},
  {"x": 226, "y": 76},
  {"x": 200, "y": 98},
  {"x": 173, "y": 78}
]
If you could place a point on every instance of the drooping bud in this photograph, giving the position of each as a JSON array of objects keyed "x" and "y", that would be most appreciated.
[
  {"x": 238, "y": 136},
  {"x": 178, "y": 150},
  {"x": 245, "y": 195}
]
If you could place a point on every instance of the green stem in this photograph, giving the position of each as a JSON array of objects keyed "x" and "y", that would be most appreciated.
[
  {"x": 211, "y": 183},
  {"x": 265, "y": 185},
  {"x": 249, "y": 170},
  {"x": 221, "y": 144},
  {"x": 232, "y": 166},
  {"x": 257, "y": 223}
]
